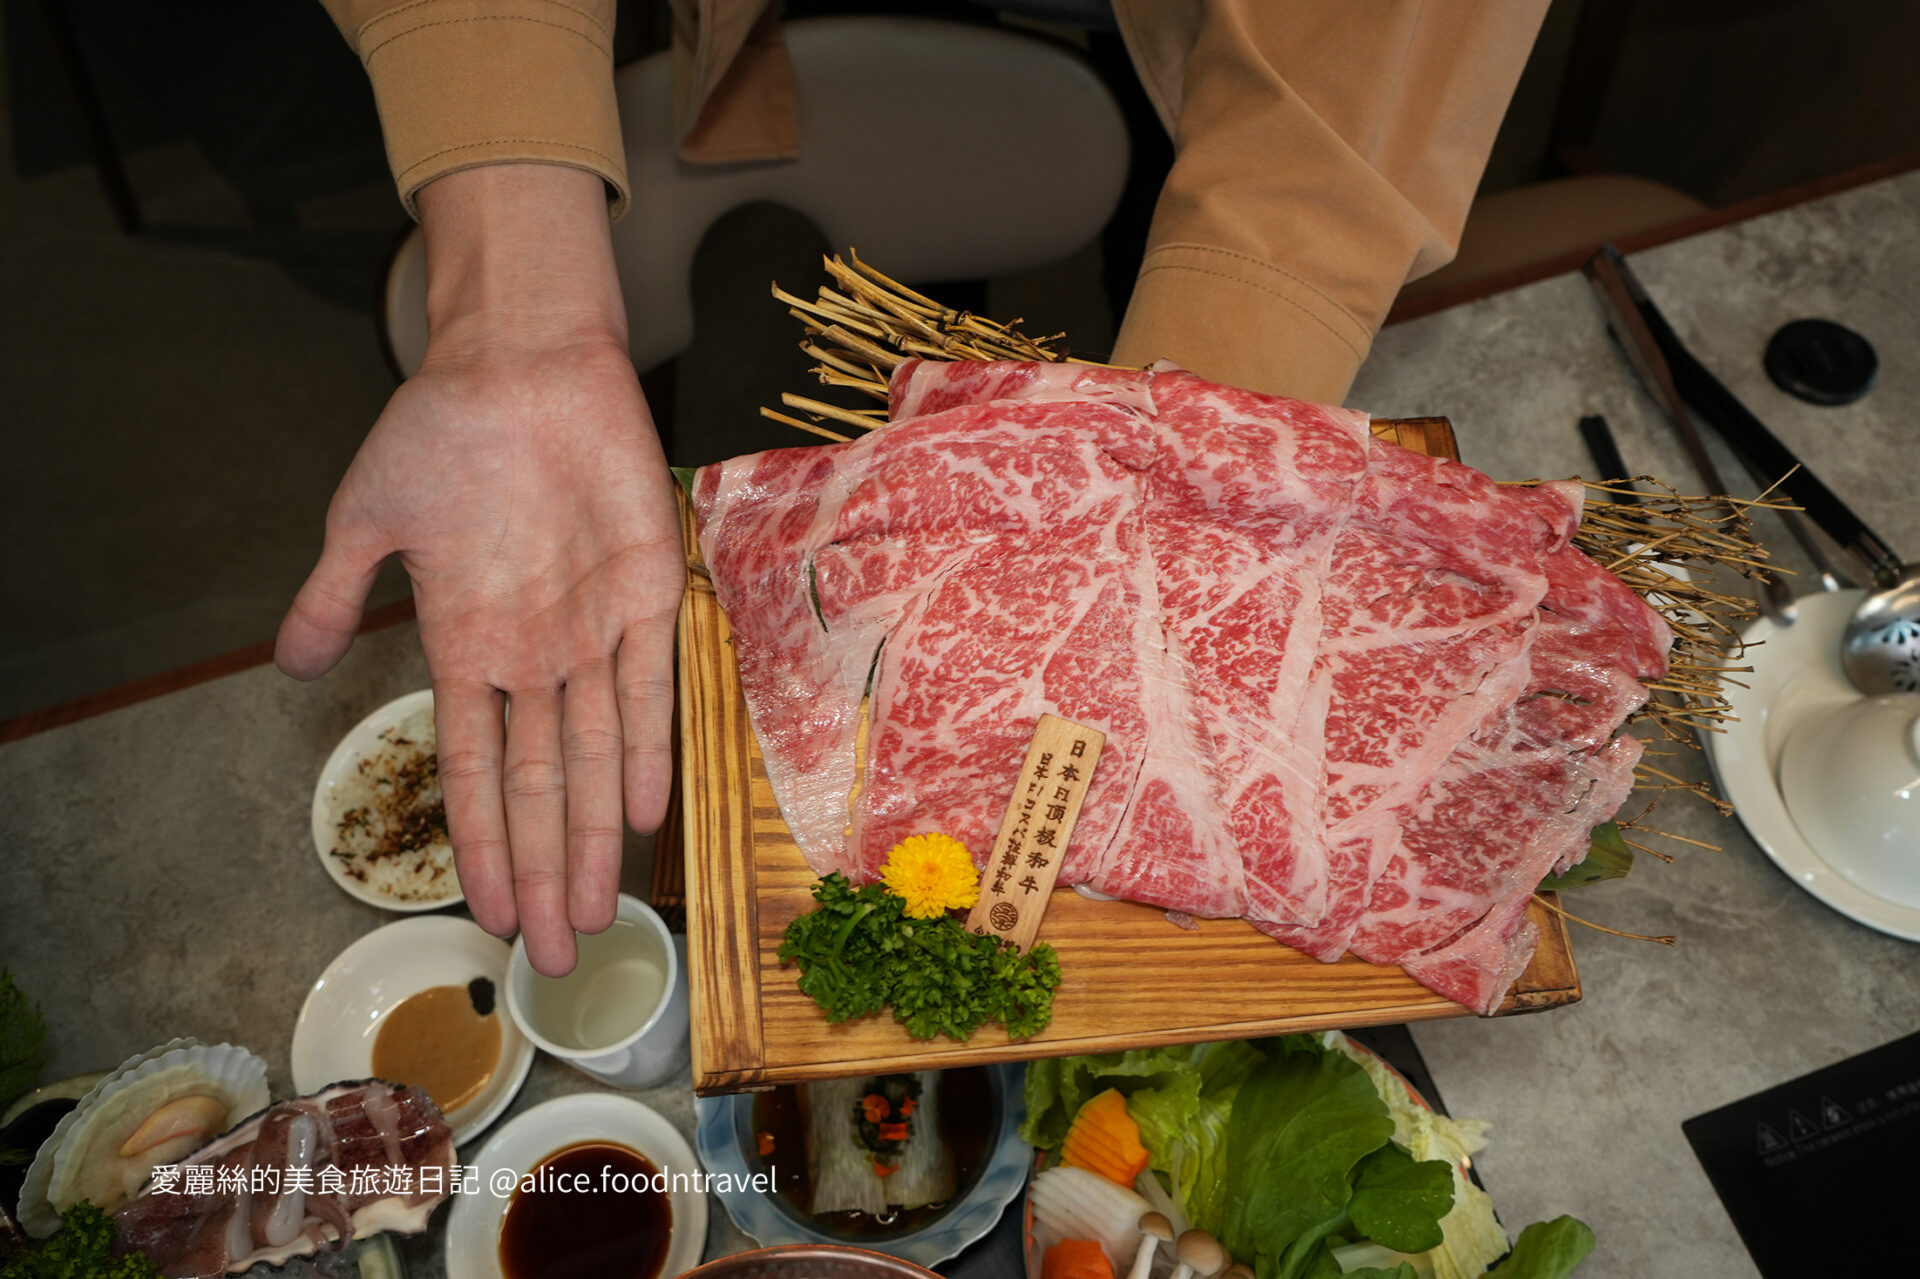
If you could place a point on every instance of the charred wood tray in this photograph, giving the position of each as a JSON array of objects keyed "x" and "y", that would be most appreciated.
[{"x": 1130, "y": 979}]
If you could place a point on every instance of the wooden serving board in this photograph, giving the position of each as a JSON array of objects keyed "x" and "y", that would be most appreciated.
[{"x": 1130, "y": 978}]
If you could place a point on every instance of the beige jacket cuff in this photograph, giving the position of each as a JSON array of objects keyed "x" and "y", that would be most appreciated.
[
  {"x": 462, "y": 83},
  {"x": 1234, "y": 318}
]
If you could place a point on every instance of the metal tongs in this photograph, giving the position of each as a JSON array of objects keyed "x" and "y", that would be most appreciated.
[{"x": 1678, "y": 381}]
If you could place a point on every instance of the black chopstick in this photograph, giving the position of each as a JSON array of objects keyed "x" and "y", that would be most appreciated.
[
  {"x": 1763, "y": 451},
  {"x": 1606, "y": 458},
  {"x": 1759, "y": 449}
]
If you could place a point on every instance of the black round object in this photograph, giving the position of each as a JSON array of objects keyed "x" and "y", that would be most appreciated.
[
  {"x": 23, "y": 1136},
  {"x": 1821, "y": 362}
]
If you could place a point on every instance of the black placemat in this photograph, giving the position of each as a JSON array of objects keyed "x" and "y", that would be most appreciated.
[{"x": 1820, "y": 1175}]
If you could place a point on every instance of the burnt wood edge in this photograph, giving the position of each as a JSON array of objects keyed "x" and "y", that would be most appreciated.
[
  {"x": 1696, "y": 224},
  {"x": 148, "y": 687},
  {"x": 1522, "y": 999}
]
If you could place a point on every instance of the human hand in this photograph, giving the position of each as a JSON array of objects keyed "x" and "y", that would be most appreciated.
[{"x": 518, "y": 476}]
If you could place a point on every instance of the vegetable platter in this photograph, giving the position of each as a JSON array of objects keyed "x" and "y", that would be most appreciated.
[
  {"x": 1293, "y": 1157},
  {"x": 1130, "y": 979}
]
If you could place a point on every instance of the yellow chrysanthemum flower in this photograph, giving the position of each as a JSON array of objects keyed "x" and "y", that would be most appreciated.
[{"x": 932, "y": 874}]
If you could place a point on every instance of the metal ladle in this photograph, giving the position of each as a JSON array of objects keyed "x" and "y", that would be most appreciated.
[{"x": 1880, "y": 648}]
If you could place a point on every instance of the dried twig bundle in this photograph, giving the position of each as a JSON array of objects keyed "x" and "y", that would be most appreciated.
[
  {"x": 863, "y": 329},
  {"x": 1673, "y": 551}
]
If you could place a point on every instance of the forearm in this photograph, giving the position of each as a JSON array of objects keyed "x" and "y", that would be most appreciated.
[
  {"x": 519, "y": 254},
  {"x": 1326, "y": 153}
]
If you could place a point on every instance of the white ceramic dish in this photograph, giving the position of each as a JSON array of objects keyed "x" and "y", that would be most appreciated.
[
  {"x": 1796, "y": 674},
  {"x": 333, "y": 1038},
  {"x": 1851, "y": 779},
  {"x": 726, "y": 1128},
  {"x": 564, "y": 1015},
  {"x": 328, "y": 801},
  {"x": 473, "y": 1228}
]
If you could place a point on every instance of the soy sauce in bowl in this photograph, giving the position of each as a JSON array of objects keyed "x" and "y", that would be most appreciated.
[{"x": 577, "y": 1215}]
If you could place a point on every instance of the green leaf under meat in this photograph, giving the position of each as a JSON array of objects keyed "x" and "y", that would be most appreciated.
[{"x": 1608, "y": 857}]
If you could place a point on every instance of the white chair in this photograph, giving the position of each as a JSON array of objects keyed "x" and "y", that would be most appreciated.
[{"x": 940, "y": 150}]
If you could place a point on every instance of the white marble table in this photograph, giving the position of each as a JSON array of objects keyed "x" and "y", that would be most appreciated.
[{"x": 157, "y": 876}]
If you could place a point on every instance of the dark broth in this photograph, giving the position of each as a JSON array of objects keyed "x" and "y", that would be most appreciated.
[
  {"x": 969, "y": 1121},
  {"x": 588, "y": 1234}
]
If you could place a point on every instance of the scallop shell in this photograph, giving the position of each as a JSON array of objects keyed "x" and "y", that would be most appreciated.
[{"x": 82, "y": 1159}]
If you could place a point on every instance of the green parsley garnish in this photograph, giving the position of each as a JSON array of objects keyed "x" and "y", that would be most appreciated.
[
  {"x": 81, "y": 1249},
  {"x": 859, "y": 953}
]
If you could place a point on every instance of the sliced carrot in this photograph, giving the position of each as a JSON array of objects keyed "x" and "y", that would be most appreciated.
[
  {"x": 875, "y": 1107},
  {"x": 1075, "y": 1259},
  {"x": 1104, "y": 1139},
  {"x": 893, "y": 1132},
  {"x": 765, "y": 1142},
  {"x": 881, "y": 1170}
]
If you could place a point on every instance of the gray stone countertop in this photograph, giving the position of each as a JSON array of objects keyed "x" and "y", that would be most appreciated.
[
  {"x": 1766, "y": 983},
  {"x": 158, "y": 876}
]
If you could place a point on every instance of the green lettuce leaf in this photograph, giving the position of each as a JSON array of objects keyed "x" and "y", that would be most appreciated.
[
  {"x": 1398, "y": 1202},
  {"x": 1608, "y": 857},
  {"x": 1280, "y": 1148},
  {"x": 1298, "y": 1128},
  {"x": 1546, "y": 1250},
  {"x": 1183, "y": 1125},
  {"x": 1058, "y": 1086}
]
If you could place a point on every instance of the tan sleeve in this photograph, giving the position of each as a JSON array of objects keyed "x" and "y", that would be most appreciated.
[
  {"x": 733, "y": 91},
  {"x": 1326, "y": 152},
  {"x": 461, "y": 83}
]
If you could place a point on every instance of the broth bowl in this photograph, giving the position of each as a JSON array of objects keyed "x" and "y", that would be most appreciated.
[{"x": 727, "y": 1137}]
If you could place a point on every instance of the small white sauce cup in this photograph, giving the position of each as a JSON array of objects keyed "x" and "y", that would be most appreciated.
[{"x": 621, "y": 1014}]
